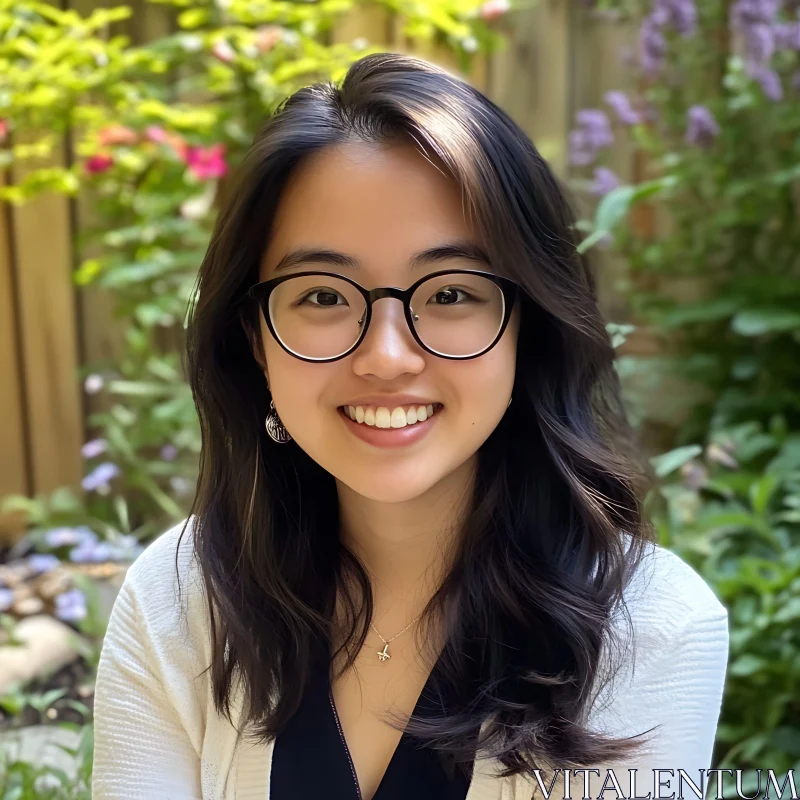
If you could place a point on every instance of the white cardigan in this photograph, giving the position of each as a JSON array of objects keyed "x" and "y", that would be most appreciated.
[{"x": 158, "y": 736}]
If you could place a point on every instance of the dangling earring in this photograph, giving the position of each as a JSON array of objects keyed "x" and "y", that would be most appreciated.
[{"x": 277, "y": 432}]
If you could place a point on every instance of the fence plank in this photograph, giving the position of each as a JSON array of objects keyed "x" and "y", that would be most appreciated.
[
  {"x": 15, "y": 477},
  {"x": 47, "y": 324}
]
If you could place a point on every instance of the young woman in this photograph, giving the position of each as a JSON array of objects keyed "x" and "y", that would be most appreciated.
[{"x": 417, "y": 491}]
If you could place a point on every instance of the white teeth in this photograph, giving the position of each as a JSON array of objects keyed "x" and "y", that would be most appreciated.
[{"x": 382, "y": 417}]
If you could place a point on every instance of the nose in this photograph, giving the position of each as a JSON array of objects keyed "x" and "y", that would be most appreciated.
[{"x": 388, "y": 349}]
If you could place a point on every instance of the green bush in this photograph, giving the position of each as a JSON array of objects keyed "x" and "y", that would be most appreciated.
[{"x": 712, "y": 109}]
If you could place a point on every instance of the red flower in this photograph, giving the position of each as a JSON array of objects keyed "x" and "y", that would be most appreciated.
[
  {"x": 207, "y": 163},
  {"x": 117, "y": 134},
  {"x": 99, "y": 162}
]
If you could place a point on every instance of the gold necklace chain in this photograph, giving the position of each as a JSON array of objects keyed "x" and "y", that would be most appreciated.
[{"x": 383, "y": 655}]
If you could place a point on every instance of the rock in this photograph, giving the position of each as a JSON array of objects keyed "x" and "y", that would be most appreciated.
[
  {"x": 39, "y": 744},
  {"x": 53, "y": 583},
  {"x": 47, "y": 645},
  {"x": 27, "y": 606}
]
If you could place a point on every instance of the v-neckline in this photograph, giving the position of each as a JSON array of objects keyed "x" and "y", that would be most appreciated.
[{"x": 401, "y": 743}]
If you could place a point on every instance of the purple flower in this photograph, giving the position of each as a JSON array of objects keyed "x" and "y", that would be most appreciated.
[
  {"x": 681, "y": 14},
  {"x": 71, "y": 606},
  {"x": 169, "y": 452},
  {"x": 752, "y": 12},
  {"x": 98, "y": 479},
  {"x": 596, "y": 127},
  {"x": 759, "y": 42},
  {"x": 604, "y": 181},
  {"x": 6, "y": 599},
  {"x": 787, "y": 35},
  {"x": 94, "y": 448},
  {"x": 652, "y": 44},
  {"x": 622, "y": 108},
  {"x": 90, "y": 552},
  {"x": 592, "y": 134},
  {"x": 702, "y": 128},
  {"x": 769, "y": 80},
  {"x": 65, "y": 537},
  {"x": 43, "y": 562}
]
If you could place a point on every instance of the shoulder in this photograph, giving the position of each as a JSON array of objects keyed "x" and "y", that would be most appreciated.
[
  {"x": 666, "y": 597},
  {"x": 165, "y": 587},
  {"x": 667, "y": 644}
]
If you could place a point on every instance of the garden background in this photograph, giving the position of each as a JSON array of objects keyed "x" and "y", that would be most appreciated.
[{"x": 675, "y": 122}]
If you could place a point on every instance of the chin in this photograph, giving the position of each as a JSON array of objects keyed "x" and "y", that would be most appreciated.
[{"x": 389, "y": 486}]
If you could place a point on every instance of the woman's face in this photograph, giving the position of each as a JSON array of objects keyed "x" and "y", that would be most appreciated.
[{"x": 379, "y": 206}]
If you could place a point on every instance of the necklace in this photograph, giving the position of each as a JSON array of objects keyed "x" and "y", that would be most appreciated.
[{"x": 383, "y": 655}]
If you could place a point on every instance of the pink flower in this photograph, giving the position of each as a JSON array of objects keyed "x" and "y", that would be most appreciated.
[
  {"x": 492, "y": 9},
  {"x": 3, "y": 129},
  {"x": 158, "y": 135},
  {"x": 223, "y": 51},
  {"x": 207, "y": 163},
  {"x": 117, "y": 134},
  {"x": 267, "y": 37},
  {"x": 98, "y": 163}
]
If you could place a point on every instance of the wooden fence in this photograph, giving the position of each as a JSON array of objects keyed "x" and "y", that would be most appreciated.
[{"x": 553, "y": 64}]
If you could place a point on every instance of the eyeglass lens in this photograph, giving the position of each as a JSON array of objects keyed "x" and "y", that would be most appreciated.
[{"x": 319, "y": 316}]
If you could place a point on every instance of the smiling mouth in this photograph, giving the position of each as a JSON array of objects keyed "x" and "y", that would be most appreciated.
[{"x": 382, "y": 417}]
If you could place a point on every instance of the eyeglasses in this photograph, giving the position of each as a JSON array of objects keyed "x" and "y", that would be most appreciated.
[{"x": 323, "y": 316}]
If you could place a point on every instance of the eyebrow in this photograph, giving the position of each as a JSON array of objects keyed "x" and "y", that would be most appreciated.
[{"x": 433, "y": 255}]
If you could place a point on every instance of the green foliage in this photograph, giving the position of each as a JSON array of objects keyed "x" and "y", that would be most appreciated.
[
  {"x": 716, "y": 275},
  {"x": 723, "y": 281},
  {"x": 735, "y": 516},
  {"x": 21, "y": 780}
]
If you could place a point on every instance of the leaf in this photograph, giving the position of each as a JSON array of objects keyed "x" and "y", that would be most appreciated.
[
  {"x": 757, "y": 322},
  {"x": 746, "y": 664},
  {"x": 788, "y": 612},
  {"x": 761, "y": 491},
  {"x": 674, "y": 459}
]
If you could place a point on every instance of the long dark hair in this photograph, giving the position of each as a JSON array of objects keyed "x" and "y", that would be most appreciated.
[{"x": 555, "y": 525}]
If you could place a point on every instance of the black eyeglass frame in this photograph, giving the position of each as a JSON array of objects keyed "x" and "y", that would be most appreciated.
[{"x": 260, "y": 293}]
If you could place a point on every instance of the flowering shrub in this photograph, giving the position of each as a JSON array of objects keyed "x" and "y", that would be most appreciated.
[
  {"x": 157, "y": 128},
  {"x": 717, "y": 117},
  {"x": 713, "y": 109}
]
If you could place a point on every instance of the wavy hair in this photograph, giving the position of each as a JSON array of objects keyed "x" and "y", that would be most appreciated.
[{"x": 555, "y": 526}]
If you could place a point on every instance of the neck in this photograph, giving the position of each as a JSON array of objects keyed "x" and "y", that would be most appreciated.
[{"x": 406, "y": 547}]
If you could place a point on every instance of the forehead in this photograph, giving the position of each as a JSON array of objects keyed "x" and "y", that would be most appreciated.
[{"x": 377, "y": 203}]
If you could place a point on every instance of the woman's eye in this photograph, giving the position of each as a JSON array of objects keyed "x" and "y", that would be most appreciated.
[
  {"x": 449, "y": 296},
  {"x": 322, "y": 297}
]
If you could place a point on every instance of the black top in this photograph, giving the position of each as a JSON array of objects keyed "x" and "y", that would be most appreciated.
[{"x": 328, "y": 772}]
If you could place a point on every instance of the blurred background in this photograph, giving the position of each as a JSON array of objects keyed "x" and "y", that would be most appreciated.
[{"x": 675, "y": 124}]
